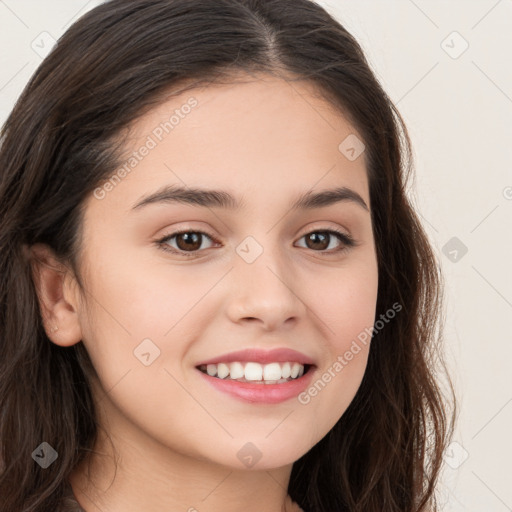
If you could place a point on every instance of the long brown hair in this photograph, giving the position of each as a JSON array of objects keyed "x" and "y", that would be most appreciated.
[{"x": 57, "y": 145}]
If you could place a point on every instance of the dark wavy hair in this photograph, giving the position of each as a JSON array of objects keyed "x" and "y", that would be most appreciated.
[{"x": 62, "y": 139}]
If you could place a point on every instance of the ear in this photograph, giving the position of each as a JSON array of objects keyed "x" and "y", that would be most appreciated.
[{"x": 57, "y": 293}]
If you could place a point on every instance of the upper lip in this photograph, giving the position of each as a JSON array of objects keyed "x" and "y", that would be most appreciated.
[{"x": 256, "y": 355}]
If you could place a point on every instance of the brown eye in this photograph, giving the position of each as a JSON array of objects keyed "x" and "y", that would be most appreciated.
[
  {"x": 186, "y": 242},
  {"x": 189, "y": 241},
  {"x": 320, "y": 240}
]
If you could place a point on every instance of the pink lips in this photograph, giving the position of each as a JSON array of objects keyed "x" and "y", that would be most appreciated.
[
  {"x": 263, "y": 393},
  {"x": 277, "y": 355}
]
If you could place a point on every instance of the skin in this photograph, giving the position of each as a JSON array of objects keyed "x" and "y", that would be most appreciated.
[{"x": 265, "y": 141}]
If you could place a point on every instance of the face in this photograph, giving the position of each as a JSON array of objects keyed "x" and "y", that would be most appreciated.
[{"x": 253, "y": 273}]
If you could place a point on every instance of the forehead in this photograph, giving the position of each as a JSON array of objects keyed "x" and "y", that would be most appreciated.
[{"x": 250, "y": 133}]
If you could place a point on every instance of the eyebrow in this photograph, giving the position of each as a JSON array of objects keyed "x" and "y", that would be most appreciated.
[{"x": 211, "y": 198}]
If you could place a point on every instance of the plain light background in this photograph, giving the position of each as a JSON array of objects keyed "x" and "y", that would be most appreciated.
[{"x": 448, "y": 68}]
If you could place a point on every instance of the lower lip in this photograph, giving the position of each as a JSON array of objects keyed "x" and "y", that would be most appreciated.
[{"x": 262, "y": 393}]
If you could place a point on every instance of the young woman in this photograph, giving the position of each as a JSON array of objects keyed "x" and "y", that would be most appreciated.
[{"x": 214, "y": 292}]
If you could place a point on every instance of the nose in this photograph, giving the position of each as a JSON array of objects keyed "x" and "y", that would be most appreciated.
[{"x": 264, "y": 292}]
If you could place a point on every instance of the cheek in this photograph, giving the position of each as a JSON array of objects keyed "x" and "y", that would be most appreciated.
[
  {"x": 136, "y": 308},
  {"x": 138, "y": 298},
  {"x": 123, "y": 308},
  {"x": 348, "y": 305},
  {"x": 347, "y": 312}
]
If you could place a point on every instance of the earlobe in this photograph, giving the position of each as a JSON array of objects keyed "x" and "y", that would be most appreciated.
[{"x": 57, "y": 299}]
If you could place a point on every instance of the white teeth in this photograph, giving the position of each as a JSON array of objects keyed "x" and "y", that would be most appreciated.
[
  {"x": 295, "y": 370},
  {"x": 236, "y": 370},
  {"x": 271, "y": 373},
  {"x": 222, "y": 370},
  {"x": 253, "y": 371}
]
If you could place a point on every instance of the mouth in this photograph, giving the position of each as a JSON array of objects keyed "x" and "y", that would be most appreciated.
[
  {"x": 256, "y": 383},
  {"x": 256, "y": 373}
]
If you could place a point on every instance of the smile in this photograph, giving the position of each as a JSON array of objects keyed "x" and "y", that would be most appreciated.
[{"x": 266, "y": 384}]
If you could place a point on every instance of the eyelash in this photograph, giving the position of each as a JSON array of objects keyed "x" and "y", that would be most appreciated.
[{"x": 347, "y": 240}]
